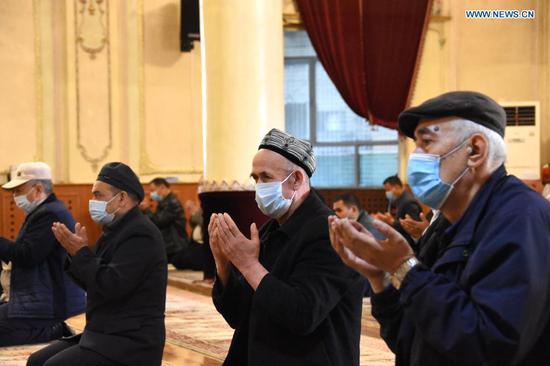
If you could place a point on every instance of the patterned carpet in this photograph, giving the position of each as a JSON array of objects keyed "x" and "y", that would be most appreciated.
[
  {"x": 193, "y": 323},
  {"x": 196, "y": 325}
]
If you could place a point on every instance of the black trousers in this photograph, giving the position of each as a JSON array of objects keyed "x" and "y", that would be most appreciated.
[
  {"x": 191, "y": 257},
  {"x": 27, "y": 331},
  {"x": 67, "y": 352}
]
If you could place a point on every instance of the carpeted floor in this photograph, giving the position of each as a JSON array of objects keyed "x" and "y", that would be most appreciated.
[
  {"x": 192, "y": 323},
  {"x": 195, "y": 324}
]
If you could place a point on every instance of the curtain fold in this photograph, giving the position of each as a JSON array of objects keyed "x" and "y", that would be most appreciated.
[{"x": 370, "y": 49}]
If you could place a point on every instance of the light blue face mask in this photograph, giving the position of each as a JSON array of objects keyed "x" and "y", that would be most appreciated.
[
  {"x": 98, "y": 211},
  {"x": 270, "y": 199},
  {"x": 23, "y": 202},
  {"x": 390, "y": 196},
  {"x": 424, "y": 180},
  {"x": 155, "y": 196}
]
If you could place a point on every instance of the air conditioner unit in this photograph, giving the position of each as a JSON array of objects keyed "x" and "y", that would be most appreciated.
[{"x": 522, "y": 139}]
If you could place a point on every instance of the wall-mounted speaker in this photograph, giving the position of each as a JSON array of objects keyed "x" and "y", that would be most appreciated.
[{"x": 190, "y": 24}]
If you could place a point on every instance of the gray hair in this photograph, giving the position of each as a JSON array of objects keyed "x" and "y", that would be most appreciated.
[
  {"x": 293, "y": 167},
  {"x": 464, "y": 128},
  {"x": 46, "y": 184}
]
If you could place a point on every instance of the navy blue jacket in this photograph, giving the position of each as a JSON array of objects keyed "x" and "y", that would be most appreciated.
[
  {"x": 486, "y": 299},
  {"x": 40, "y": 288}
]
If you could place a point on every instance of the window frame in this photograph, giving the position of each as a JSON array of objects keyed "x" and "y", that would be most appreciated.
[{"x": 312, "y": 61}]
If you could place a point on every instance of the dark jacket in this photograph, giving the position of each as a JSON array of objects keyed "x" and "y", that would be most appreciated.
[
  {"x": 486, "y": 299},
  {"x": 40, "y": 288},
  {"x": 125, "y": 275},
  {"x": 367, "y": 222},
  {"x": 406, "y": 205},
  {"x": 170, "y": 219},
  {"x": 307, "y": 310}
]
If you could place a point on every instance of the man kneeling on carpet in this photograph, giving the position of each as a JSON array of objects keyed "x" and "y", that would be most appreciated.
[
  {"x": 125, "y": 276},
  {"x": 294, "y": 301},
  {"x": 42, "y": 296}
]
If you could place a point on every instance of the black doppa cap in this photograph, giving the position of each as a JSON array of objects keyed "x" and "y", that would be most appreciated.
[
  {"x": 469, "y": 105},
  {"x": 121, "y": 176}
]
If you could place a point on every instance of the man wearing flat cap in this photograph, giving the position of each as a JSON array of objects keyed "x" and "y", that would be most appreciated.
[
  {"x": 42, "y": 296},
  {"x": 124, "y": 274},
  {"x": 286, "y": 293},
  {"x": 485, "y": 298}
]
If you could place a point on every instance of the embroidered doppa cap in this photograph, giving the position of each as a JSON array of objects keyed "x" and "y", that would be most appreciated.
[{"x": 298, "y": 151}]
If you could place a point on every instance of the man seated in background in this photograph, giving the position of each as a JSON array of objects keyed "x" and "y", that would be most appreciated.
[
  {"x": 192, "y": 257},
  {"x": 347, "y": 205},
  {"x": 403, "y": 203},
  {"x": 168, "y": 216},
  {"x": 125, "y": 275},
  {"x": 41, "y": 295},
  {"x": 286, "y": 293}
]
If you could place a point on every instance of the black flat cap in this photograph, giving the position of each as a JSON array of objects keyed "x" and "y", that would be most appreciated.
[
  {"x": 298, "y": 151},
  {"x": 469, "y": 105},
  {"x": 123, "y": 177}
]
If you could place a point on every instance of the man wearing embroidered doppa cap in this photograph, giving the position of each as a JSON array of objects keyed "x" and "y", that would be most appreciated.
[
  {"x": 289, "y": 297},
  {"x": 42, "y": 296},
  {"x": 124, "y": 274}
]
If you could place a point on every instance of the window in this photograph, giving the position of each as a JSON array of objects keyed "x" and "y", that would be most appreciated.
[{"x": 349, "y": 151}]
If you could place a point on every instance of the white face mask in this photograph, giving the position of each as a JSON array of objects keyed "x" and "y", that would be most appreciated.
[
  {"x": 270, "y": 199},
  {"x": 23, "y": 202},
  {"x": 98, "y": 211}
]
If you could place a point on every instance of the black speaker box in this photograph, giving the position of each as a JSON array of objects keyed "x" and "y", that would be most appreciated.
[{"x": 190, "y": 24}]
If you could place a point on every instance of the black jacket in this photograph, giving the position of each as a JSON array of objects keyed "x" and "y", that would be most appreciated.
[
  {"x": 170, "y": 219},
  {"x": 406, "y": 205},
  {"x": 125, "y": 275},
  {"x": 40, "y": 289},
  {"x": 307, "y": 310}
]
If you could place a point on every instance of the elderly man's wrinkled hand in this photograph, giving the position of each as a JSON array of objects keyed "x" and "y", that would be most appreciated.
[
  {"x": 240, "y": 250},
  {"x": 372, "y": 273},
  {"x": 387, "y": 254},
  {"x": 72, "y": 242},
  {"x": 222, "y": 263}
]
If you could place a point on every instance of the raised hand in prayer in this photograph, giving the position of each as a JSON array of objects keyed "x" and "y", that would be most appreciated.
[
  {"x": 373, "y": 274},
  {"x": 386, "y": 255},
  {"x": 385, "y": 217},
  {"x": 413, "y": 227},
  {"x": 222, "y": 263},
  {"x": 240, "y": 250},
  {"x": 72, "y": 242}
]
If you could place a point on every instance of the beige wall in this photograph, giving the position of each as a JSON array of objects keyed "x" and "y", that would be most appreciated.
[
  {"x": 19, "y": 113},
  {"x": 124, "y": 92},
  {"x": 505, "y": 59},
  {"x": 146, "y": 95}
]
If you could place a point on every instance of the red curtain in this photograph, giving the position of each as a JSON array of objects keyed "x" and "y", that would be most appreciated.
[{"x": 370, "y": 50}]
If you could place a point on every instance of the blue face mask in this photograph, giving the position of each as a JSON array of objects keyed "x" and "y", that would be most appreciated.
[
  {"x": 155, "y": 196},
  {"x": 270, "y": 199},
  {"x": 23, "y": 202},
  {"x": 98, "y": 211},
  {"x": 423, "y": 177},
  {"x": 390, "y": 196}
]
